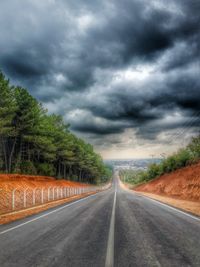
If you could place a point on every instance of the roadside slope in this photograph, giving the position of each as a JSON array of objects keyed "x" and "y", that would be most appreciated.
[
  {"x": 180, "y": 188},
  {"x": 29, "y": 183},
  {"x": 183, "y": 184},
  {"x": 11, "y": 181}
]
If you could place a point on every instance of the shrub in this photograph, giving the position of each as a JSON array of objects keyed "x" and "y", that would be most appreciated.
[
  {"x": 153, "y": 171},
  {"x": 194, "y": 148},
  {"x": 182, "y": 158},
  {"x": 26, "y": 167},
  {"x": 45, "y": 169}
]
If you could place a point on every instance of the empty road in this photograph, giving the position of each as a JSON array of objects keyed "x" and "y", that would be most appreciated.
[{"x": 111, "y": 228}]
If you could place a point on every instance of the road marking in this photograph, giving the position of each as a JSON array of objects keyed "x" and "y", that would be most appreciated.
[
  {"x": 172, "y": 208},
  {"x": 46, "y": 214},
  {"x": 110, "y": 245}
]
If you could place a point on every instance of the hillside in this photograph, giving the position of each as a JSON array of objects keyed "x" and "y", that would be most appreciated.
[
  {"x": 183, "y": 184},
  {"x": 11, "y": 181}
]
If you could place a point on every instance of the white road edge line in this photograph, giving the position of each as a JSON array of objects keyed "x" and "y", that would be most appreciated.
[
  {"x": 46, "y": 214},
  {"x": 163, "y": 204},
  {"x": 169, "y": 207},
  {"x": 110, "y": 245}
]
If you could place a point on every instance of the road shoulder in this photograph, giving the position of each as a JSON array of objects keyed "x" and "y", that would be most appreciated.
[
  {"x": 192, "y": 207},
  {"x": 17, "y": 215}
]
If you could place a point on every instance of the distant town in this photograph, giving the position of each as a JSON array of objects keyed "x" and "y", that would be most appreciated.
[{"x": 134, "y": 164}]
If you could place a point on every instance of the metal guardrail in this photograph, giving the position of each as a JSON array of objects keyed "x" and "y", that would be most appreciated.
[{"x": 18, "y": 199}]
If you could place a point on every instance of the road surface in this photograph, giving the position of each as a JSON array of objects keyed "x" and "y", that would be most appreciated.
[{"x": 111, "y": 228}]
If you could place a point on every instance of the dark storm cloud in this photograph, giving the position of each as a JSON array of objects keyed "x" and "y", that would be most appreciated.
[
  {"x": 145, "y": 107},
  {"x": 125, "y": 33},
  {"x": 67, "y": 52},
  {"x": 150, "y": 101},
  {"x": 188, "y": 124},
  {"x": 98, "y": 128}
]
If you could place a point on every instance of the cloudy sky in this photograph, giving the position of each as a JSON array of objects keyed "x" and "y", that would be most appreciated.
[{"x": 124, "y": 73}]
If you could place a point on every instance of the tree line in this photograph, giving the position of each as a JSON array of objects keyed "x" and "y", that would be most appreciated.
[
  {"x": 34, "y": 142},
  {"x": 183, "y": 157}
]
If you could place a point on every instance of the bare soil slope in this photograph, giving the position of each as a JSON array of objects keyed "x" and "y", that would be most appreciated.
[
  {"x": 11, "y": 181},
  {"x": 182, "y": 184},
  {"x": 41, "y": 185},
  {"x": 8, "y": 182}
]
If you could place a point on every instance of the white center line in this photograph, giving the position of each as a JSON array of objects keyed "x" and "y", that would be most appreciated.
[{"x": 110, "y": 246}]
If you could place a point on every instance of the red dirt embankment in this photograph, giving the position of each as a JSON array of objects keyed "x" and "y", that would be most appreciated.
[
  {"x": 180, "y": 188},
  {"x": 29, "y": 183},
  {"x": 11, "y": 181},
  {"x": 182, "y": 184}
]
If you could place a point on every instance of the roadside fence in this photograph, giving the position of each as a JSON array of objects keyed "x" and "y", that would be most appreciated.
[{"x": 17, "y": 199}]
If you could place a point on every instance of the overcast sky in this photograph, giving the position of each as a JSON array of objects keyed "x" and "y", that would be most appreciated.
[{"x": 124, "y": 73}]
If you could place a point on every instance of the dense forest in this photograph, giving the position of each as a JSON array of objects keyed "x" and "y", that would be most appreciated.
[
  {"x": 34, "y": 142},
  {"x": 183, "y": 157}
]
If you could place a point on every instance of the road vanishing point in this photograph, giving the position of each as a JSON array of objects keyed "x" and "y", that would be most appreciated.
[{"x": 115, "y": 227}]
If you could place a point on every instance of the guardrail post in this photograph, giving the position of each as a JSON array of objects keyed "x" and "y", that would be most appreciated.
[
  {"x": 42, "y": 195},
  {"x": 54, "y": 188},
  {"x": 34, "y": 190},
  {"x": 49, "y": 193},
  {"x": 61, "y": 190},
  {"x": 0, "y": 191},
  {"x": 25, "y": 198},
  {"x": 65, "y": 192},
  {"x": 57, "y": 193},
  {"x": 13, "y": 198}
]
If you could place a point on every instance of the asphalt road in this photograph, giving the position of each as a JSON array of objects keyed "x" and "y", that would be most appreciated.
[{"x": 111, "y": 228}]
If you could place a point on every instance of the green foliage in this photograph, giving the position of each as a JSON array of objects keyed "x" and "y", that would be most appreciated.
[
  {"x": 33, "y": 142},
  {"x": 153, "y": 171},
  {"x": 182, "y": 158},
  {"x": 45, "y": 169},
  {"x": 194, "y": 148},
  {"x": 26, "y": 167},
  {"x": 7, "y": 107}
]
